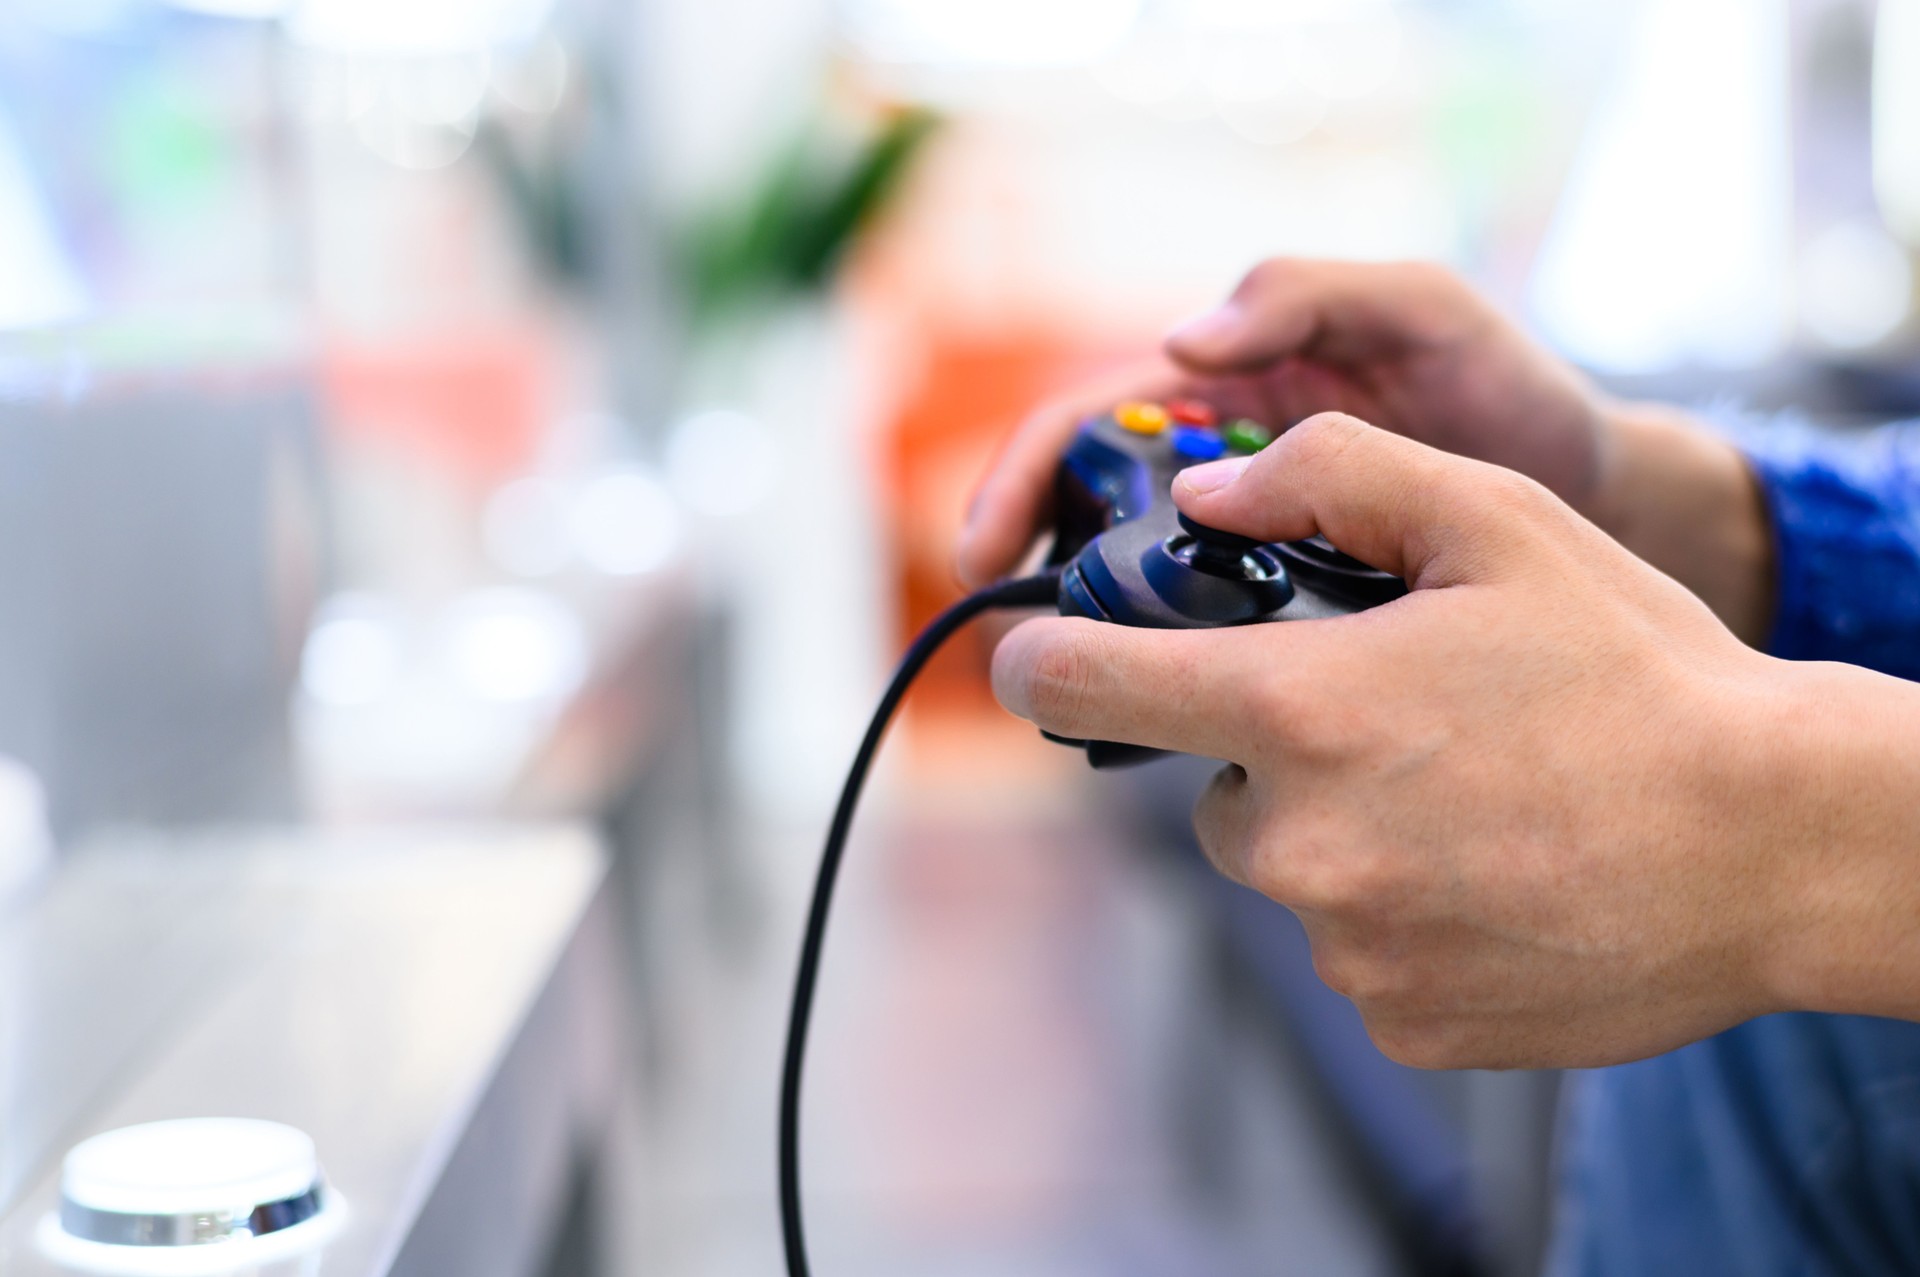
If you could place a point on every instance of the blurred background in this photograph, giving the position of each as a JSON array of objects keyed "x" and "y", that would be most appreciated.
[{"x": 507, "y": 410}]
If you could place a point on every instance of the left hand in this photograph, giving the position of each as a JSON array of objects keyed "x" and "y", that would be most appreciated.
[{"x": 1530, "y": 814}]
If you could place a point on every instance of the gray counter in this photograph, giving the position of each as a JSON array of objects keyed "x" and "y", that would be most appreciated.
[{"x": 438, "y": 1009}]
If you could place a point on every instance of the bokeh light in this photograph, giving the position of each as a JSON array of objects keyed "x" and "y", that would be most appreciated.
[
  {"x": 721, "y": 463},
  {"x": 355, "y": 653},
  {"x": 625, "y": 523},
  {"x": 514, "y": 645}
]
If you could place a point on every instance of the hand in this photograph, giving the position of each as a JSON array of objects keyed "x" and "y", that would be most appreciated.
[
  {"x": 1537, "y": 812},
  {"x": 1406, "y": 346},
  {"x": 1412, "y": 349}
]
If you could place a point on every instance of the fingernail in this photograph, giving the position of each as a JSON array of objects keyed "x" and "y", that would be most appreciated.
[
  {"x": 1212, "y": 476},
  {"x": 1208, "y": 328},
  {"x": 963, "y": 562}
]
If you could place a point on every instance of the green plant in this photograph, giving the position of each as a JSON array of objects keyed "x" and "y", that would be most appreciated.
[{"x": 797, "y": 221}]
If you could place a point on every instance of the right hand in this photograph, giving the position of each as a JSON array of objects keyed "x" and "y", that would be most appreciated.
[
  {"x": 1407, "y": 346},
  {"x": 1541, "y": 811}
]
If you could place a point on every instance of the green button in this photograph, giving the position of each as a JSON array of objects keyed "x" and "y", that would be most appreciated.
[{"x": 1247, "y": 436}]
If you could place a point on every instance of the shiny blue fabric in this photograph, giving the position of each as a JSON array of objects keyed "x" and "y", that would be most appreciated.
[
  {"x": 1791, "y": 1144},
  {"x": 1846, "y": 519}
]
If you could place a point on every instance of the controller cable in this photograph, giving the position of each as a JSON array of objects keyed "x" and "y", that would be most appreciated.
[{"x": 1022, "y": 592}]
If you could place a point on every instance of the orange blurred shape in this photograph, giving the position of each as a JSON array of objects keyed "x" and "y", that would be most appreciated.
[
  {"x": 973, "y": 389},
  {"x": 470, "y": 404}
]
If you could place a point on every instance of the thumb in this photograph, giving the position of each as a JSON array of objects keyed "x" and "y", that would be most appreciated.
[{"x": 1427, "y": 516}]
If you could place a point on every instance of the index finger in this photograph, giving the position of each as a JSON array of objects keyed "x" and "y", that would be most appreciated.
[
  {"x": 1016, "y": 497},
  {"x": 1091, "y": 680},
  {"x": 1238, "y": 693}
]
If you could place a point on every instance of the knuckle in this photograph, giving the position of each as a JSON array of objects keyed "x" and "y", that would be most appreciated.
[
  {"x": 1383, "y": 981},
  {"x": 1364, "y": 880},
  {"x": 1271, "y": 274},
  {"x": 1325, "y": 882},
  {"x": 1422, "y": 1042},
  {"x": 1337, "y": 968},
  {"x": 1321, "y": 440},
  {"x": 1445, "y": 306},
  {"x": 1434, "y": 277},
  {"x": 1058, "y": 682},
  {"x": 1510, "y": 503},
  {"x": 1295, "y": 869},
  {"x": 1324, "y": 872},
  {"x": 1514, "y": 494}
]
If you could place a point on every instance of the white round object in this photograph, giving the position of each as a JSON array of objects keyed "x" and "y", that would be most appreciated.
[
  {"x": 189, "y": 1166},
  {"x": 194, "y": 1190}
]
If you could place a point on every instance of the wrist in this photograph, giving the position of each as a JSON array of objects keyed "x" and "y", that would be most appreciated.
[
  {"x": 1687, "y": 502},
  {"x": 1839, "y": 840}
]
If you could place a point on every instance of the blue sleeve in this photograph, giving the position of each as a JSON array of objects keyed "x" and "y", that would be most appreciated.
[{"x": 1846, "y": 525}]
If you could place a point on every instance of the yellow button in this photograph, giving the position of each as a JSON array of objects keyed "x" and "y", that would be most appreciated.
[{"x": 1141, "y": 418}]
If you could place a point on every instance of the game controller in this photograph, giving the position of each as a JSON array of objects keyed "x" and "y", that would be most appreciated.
[{"x": 1127, "y": 556}]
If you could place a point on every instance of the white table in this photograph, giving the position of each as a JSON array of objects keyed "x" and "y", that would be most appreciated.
[{"x": 440, "y": 1009}]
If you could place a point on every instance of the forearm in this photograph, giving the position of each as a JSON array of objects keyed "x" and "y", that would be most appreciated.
[
  {"x": 1836, "y": 782},
  {"x": 1686, "y": 501}
]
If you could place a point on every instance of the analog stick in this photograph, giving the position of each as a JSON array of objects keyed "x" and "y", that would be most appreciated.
[{"x": 1218, "y": 553}]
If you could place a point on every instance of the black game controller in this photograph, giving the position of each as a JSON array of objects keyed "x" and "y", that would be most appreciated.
[{"x": 1128, "y": 556}]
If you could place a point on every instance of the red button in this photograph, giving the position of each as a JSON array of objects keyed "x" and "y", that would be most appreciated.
[{"x": 1192, "y": 412}]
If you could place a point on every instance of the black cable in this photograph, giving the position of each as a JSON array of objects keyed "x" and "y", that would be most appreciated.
[{"x": 1031, "y": 591}]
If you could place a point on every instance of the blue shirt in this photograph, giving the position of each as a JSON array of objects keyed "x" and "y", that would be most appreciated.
[
  {"x": 1846, "y": 522},
  {"x": 1790, "y": 1144}
]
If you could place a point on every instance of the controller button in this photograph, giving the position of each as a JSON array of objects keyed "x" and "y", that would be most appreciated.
[
  {"x": 1198, "y": 445},
  {"x": 1192, "y": 412},
  {"x": 1247, "y": 436},
  {"x": 1141, "y": 418}
]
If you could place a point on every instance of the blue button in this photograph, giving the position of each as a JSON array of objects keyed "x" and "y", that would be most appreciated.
[{"x": 1197, "y": 444}]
